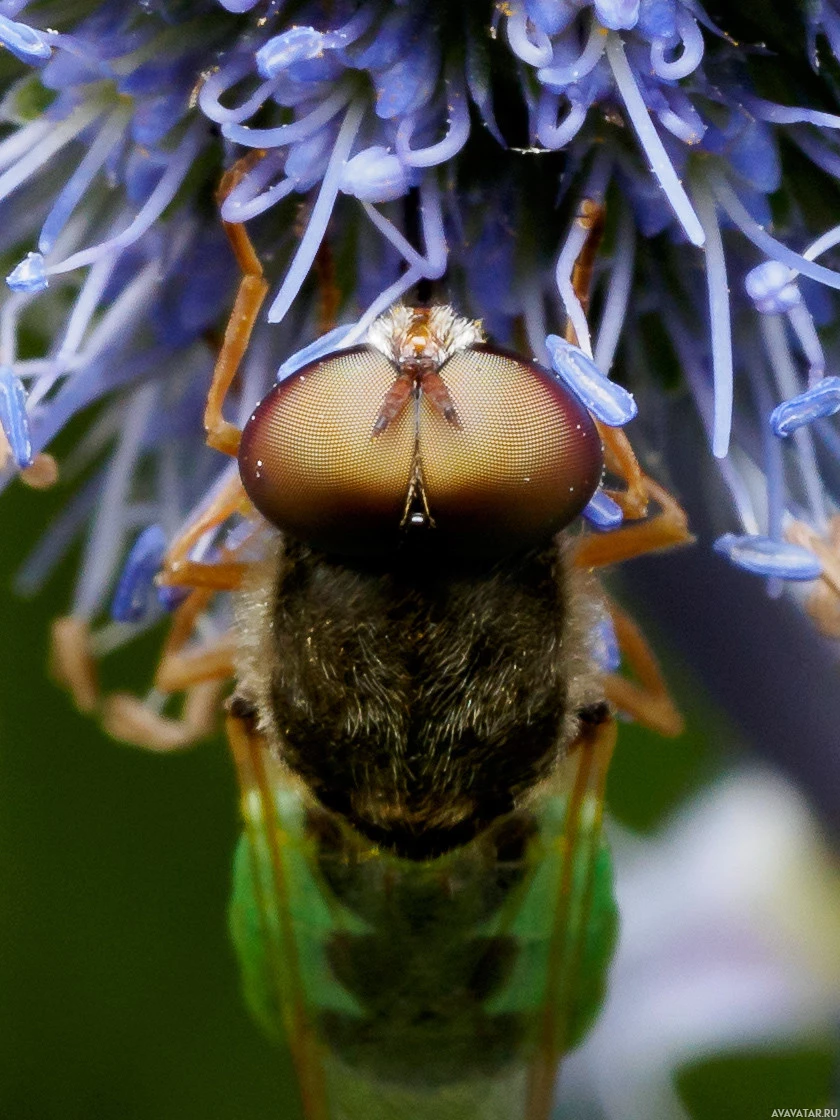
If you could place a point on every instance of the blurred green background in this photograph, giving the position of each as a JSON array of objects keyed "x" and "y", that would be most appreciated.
[{"x": 119, "y": 993}]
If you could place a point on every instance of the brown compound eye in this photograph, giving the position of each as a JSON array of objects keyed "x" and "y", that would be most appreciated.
[
  {"x": 521, "y": 463},
  {"x": 310, "y": 466},
  {"x": 525, "y": 462}
]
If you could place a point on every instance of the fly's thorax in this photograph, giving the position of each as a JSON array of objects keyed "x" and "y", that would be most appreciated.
[{"x": 420, "y": 700}]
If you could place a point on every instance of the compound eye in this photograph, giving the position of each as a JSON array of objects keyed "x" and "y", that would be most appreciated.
[
  {"x": 524, "y": 463},
  {"x": 310, "y": 466}
]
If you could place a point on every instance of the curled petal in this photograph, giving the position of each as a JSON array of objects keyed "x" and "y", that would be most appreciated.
[
  {"x": 562, "y": 74},
  {"x": 375, "y": 175},
  {"x": 608, "y": 402},
  {"x": 690, "y": 57},
  {"x": 29, "y": 275},
  {"x": 24, "y": 42},
  {"x": 220, "y": 82},
  {"x": 298, "y": 44},
  {"x": 13, "y": 419},
  {"x": 534, "y": 48},
  {"x": 602, "y": 512},
  {"x": 821, "y": 400},
  {"x": 449, "y": 146},
  {"x": 772, "y": 287},
  {"x": 765, "y": 557},
  {"x": 617, "y": 15},
  {"x": 551, "y": 133},
  {"x": 135, "y": 588}
]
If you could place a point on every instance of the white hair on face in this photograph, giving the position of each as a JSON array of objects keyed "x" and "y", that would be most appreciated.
[{"x": 448, "y": 333}]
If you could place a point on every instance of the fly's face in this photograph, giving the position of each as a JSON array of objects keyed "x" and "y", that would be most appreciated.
[{"x": 425, "y": 427}]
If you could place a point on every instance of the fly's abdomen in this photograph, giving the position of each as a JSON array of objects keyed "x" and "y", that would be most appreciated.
[
  {"x": 423, "y": 972},
  {"x": 422, "y": 989}
]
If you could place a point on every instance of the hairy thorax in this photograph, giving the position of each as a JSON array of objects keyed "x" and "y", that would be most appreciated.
[{"x": 418, "y": 702}]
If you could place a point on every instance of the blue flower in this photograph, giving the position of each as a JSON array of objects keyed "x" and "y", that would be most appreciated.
[{"x": 420, "y": 142}]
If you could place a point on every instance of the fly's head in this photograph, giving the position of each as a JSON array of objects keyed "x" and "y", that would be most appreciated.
[{"x": 423, "y": 425}]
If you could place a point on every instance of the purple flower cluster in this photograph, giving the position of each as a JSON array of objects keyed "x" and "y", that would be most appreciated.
[{"x": 442, "y": 144}]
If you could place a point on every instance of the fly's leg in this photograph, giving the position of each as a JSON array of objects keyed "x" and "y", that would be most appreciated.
[
  {"x": 178, "y": 569},
  {"x": 201, "y": 674},
  {"x": 225, "y": 574},
  {"x": 268, "y": 845},
  {"x": 823, "y": 602},
  {"x": 621, "y": 460},
  {"x": 179, "y": 671},
  {"x": 578, "y": 848},
  {"x": 665, "y": 529},
  {"x": 591, "y": 218},
  {"x": 72, "y": 663},
  {"x": 253, "y": 287},
  {"x": 328, "y": 290},
  {"x": 646, "y": 697},
  {"x": 619, "y": 455},
  {"x": 128, "y": 719}
]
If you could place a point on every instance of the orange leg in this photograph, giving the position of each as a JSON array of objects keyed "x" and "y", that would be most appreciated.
[
  {"x": 179, "y": 571},
  {"x": 212, "y": 661},
  {"x": 665, "y": 529},
  {"x": 621, "y": 460},
  {"x": 823, "y": 606},
  {"x": 72, "y": 663},
  {"x": 253, "y": 287},
  {"x": 823, "y": 603},
  {"x": 128, "y": 719},
  {"x": 591, "y": 216},
  {"x": 179, "y": 669},
  {"x": 645, "y": 698},
  {"x": 619, "y": 454},
  {"x": 268, "y": 845},
  {"x": 199, "y": 673},
  {"x": 330, "y": 293},
  {"x": 579, "y": 845}
]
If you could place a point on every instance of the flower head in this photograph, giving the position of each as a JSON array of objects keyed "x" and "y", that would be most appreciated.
[{"x": 421, "y": 144}]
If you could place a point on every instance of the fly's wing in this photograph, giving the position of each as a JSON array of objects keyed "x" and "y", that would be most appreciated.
[
  {"x": 273, "y": 901},
  {"x": 565, "y": 925},
  {"x": 447, "y": 990}
]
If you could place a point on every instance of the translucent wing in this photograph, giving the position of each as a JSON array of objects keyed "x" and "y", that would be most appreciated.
[{"x": 447, "y": 990}]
